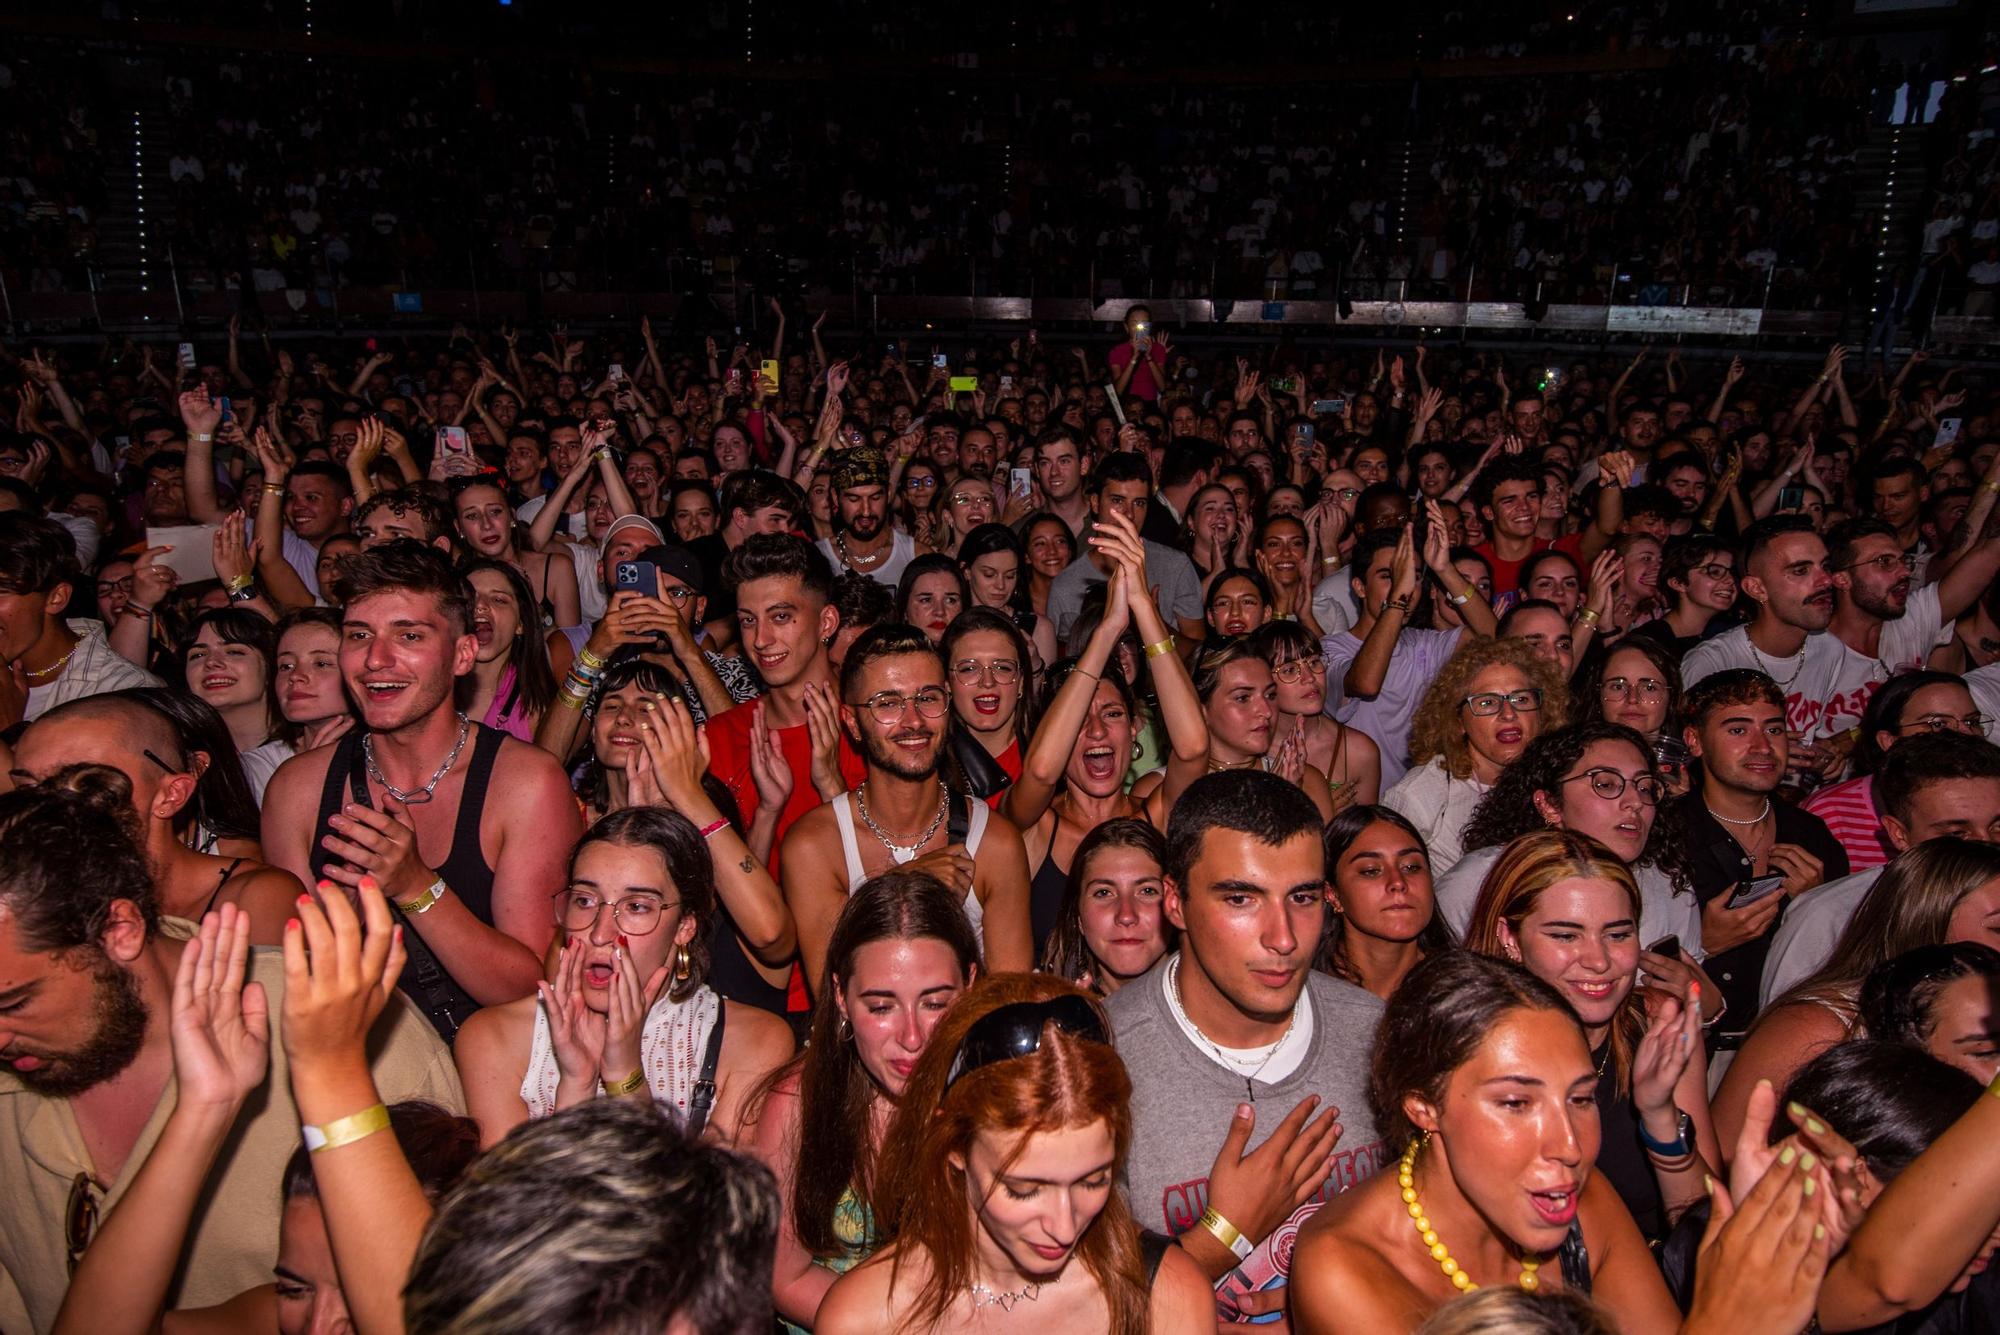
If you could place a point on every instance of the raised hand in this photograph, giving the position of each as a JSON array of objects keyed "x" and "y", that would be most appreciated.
[
  {"x": 769, "y": 769},
  {"x": 575, "y": 1035},
  {"x": 677, "y": 748},
  {"x": 219, "y": 1025},
  {"x": 823, "y": 726},
  {"x": 1761, "y": 1262},
  {"x": 629, "y": 1001},
  {"x": 199, "y": 412},
  {"x": 152, "y": 583},
  {"x": 340, "y": 971},
  {"x": 234, "y": 551},
  {"x": 1663, "y": 1056}
]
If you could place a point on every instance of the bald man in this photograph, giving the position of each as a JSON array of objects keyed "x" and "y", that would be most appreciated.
[{"x": 121, "y": 731}]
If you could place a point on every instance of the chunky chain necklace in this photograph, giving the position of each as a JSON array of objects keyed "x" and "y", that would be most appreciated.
[
  {"x": 901, "y": 853},
  {"x": 421, "y": 795},
  {"x": 853, "y": 562},
  {"x": 1406, "y": 1178},
  {"x": 1241, "y": 1065},
  {"x": 1004, "y": 1299}
]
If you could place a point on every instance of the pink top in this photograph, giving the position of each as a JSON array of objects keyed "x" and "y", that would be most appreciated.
[
  {"x": 1849, "y": 811},
  {"x": 517, "y": 723}
]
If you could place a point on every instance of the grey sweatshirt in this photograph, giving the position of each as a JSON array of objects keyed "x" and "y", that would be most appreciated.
[{"x": 1183, "y": 1099}]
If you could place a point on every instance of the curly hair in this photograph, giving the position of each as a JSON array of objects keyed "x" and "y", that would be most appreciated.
[
  {"x": 1508, "y": 811},
  {"x": 1436, "y": 730}
]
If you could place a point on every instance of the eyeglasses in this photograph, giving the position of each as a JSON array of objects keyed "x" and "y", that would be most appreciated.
[
  {"x": 79, "y": 1219},
  {"x": 1347, "y": 493},
  {"x": 107, "y": 587},
  {"x": 1298, "y": 669},
  {"x": 1886, "y": 562},
  {"x": 1610, "y": 785},
  {"x": 1003, "y": 671},
  {"x": 968, "y": 497},
  {"x": 1973, "y": 723},
  {"x": 676, "y": 593},
  {"x": 1488, "y": 703},
  {"x": 1647, "y": 688},
  {"x": 1015, "y": 1030},
  {"x": 888, "y": 707},
  {"x": 635, "y": 915},
  {"x": 920, "y": 483},
  {"x": 1714, "y": 570}
]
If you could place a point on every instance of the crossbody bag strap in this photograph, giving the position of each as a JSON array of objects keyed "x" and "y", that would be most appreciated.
[{"x": 703, "y": 1100}]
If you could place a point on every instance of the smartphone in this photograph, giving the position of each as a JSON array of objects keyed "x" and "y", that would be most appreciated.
[
  {"x": 1306, "y": 434},
  {"x": 636, "y": 577},
  {"x": 187, "y": 357},
  {"x": 615, "y": 372},
  {"x": 1006, "y": 384},
  {"x": 1289, "y": 385},
  {"x": 893, "y": 352},
  {"x": 1020, "y": 482},
  {"x": 769, "y": 370},
  {"x": 1792, "y": 497},
  {"x": 1142, "y": 334},
  {"x": 1333, "y": 407},
  {"x": 1749, "y": 892},
  {"x": 1552, "y": 377},
  {"x": 1947, "y": 432},
  {"x": 227, "y": 414},
  {"x": 1670, "y": 946},
  {"x": 735, "y": 380},
  {"x": 940, "y": 361},
  {"x": 453, "y": 440},
  {"x": 964, "y": 384}
]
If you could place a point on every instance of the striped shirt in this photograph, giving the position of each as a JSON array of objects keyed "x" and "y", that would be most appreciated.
[{"x": 1849, "y": 811}]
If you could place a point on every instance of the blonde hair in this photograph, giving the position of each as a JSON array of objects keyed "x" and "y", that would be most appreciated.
[
  {"x": 1437, "y": 729},
  {"x": 1527, "y": 867}
]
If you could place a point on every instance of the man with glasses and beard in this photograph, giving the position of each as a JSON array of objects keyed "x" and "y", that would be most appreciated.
[
  {"x": 1883, "y": 621},
  {"x": 863, "y": 540},
  {"x": 895, "y": 706},
  {"x": 86, "y": 1060}
]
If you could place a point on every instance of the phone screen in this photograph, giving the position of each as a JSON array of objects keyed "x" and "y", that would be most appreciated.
[
  {"x": 1749, "y": 892},
  {"x": 1021, "y": 483}
]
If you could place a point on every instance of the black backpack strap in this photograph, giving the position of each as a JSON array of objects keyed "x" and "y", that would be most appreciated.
[
  {"x": 703, "y": 1101},
  {"x": 1575, "y": 1261},
  {"x": 958, "y": 818}
]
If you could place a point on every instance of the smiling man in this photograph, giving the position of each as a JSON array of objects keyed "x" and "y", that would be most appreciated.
[
  {"x": 893, "y": 700},
  {"x": 1123, "y": 485},
  {"x": 1239, "y": 1019},
  {"x": 467, "y": 829}
]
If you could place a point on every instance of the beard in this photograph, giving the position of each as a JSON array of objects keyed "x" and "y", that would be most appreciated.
[
  {"x": 1884, "y": 603},
  {"x": 882, "y": 754},
  {"x": 120, "y": 1014},
  {"x": 864, "y": 526}
]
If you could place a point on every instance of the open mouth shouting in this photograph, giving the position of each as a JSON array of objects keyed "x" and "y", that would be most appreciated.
[{"x": 1556, "y": 1206}]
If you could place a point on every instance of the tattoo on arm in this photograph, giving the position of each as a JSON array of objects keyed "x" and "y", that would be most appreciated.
[{"x": 744, "y": 866}]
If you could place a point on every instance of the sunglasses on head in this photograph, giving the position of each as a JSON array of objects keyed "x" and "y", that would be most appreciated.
[{"x": 1015, "y": 1030}]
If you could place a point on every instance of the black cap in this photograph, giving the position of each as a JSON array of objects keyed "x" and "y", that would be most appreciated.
[{"x": 677, "y": 561}]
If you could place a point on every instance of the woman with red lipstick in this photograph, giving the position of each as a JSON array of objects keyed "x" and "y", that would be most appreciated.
[
  {"x": 1491, "y": 698},
  {"x": 626, "y": 1010},
  {"x": 311, "y": 696},
  {"x": 1238, "y": 601},
  {"x": 931, "y": 594},
  {"x": 1110, "y": 928},
  {"x": 1483, "y": 1074},
  {"x": 1073, "y": 779},
  {"x": 986, "y": 663},
  {"x": 1567, "y": 908},
  {"x": 999, "y": 1185},
  {"x": 228, "y": 663},
  {"x": 901, "y": 952}
]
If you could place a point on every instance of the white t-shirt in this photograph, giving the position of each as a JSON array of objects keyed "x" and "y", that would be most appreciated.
[
  {"x": 1905, "y": 644},
  {"x": 1269, "y": 1064},
  {"x": 1439, "y": 805},
  {"x": 1387, "y": 715},
  {"x": 902, "y": 551},
  {"x": 1812, "y": 927},
  {"x": 1984, "y": 683},
  {"x": 1661, "y": 911},
  {"x": 1807, "y": 678}
]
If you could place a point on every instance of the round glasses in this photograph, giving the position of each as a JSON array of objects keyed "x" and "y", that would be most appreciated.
[
  {"x": 635, "y": 915},
  {"x": 970, "y": 671},
  {"x": 888, "y": 707},
  {"x": 1298, "y": 669},
  {"x": 1610, "y": 785},
  {"x": 1646, "y": 688},
  {"x": 1974, "y": 724}
]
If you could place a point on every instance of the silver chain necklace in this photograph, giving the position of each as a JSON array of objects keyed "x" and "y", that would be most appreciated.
[
  {"x": 898, "y": 851},
  {"x": 1235, "y": 1064},
  {"x": 1797, "y": 667},
  {"x": 840, "y": 541},
  {"x": 423, "y": 794},
  {"x": 1004, "y": 1299}
]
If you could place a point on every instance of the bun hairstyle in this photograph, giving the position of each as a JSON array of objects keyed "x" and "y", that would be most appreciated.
[{"x": 69, "y": 850}]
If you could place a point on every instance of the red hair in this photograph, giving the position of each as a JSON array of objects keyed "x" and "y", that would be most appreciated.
[{"x": 1070, "y": 1081}]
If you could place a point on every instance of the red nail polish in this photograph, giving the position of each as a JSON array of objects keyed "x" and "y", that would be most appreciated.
[
  {"x": 305, "y": 899},
  {"x": 623, "y": 942}
]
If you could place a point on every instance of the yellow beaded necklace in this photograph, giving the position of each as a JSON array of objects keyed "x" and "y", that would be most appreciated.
[{"x": 1406, "y": 1178}]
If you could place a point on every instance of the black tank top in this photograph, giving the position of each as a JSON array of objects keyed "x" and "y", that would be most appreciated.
[
  {"x": 1045, "y": 895},
  {"x": 464, "y": 868}
]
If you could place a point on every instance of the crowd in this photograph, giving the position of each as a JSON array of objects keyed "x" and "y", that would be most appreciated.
[
  {"x": 875, "y": 838},
  {"x": 1716, "y": 167}
]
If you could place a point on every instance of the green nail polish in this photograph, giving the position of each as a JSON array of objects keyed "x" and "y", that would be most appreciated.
[
  {"x": 1786, "y": 1155},
  {"x": 1819, "y": 1232},
  {"x": 1811, "y": 1184},
  {"x": 1806, "y": 1162},
  {"x": 1797, "y": 1110},
  {"x": 1813, "y": 1125}
]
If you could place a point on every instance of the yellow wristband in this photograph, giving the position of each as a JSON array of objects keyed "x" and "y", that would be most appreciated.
[
  {"x": 1161, "y": 648},
  {"x": 346, "y": 1130},
  {"x": 626, "y": 1086},
  {"x": 1588, "y": 616},
  {"x": 591, "y": 660},
  {"x": 1225, "y": 1233}
]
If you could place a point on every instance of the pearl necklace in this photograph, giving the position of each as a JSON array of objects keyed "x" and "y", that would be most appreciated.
[
  {"x": 1757, "y": 819},
  {"x": 1406, "y": 1178},
  {"x": 36, "y": 674}
]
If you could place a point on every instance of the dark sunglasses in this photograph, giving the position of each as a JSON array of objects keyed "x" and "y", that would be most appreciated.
[{"x": 1015, "y": 1030}]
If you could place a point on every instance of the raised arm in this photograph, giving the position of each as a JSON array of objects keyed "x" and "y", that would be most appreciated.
[
  {"x": 1729, "y": 379},
  {"x": 1180, "y": 707},
  {"x": 1371, "y": 664},
  {"x": 1062, "y": 722},
  {"x": 201, "y": 415}
]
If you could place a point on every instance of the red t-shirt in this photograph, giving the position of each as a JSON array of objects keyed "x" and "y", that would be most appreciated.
[
  {"x": 729, "y": 761},
  {"x": 1147, "y": 379},
  {"x": 1507, "y": 574}
]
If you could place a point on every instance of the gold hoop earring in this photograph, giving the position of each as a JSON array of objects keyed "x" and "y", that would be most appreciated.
[
  {"x": 683, "y": 967},
  {"x": 842, "y": 1030}
]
